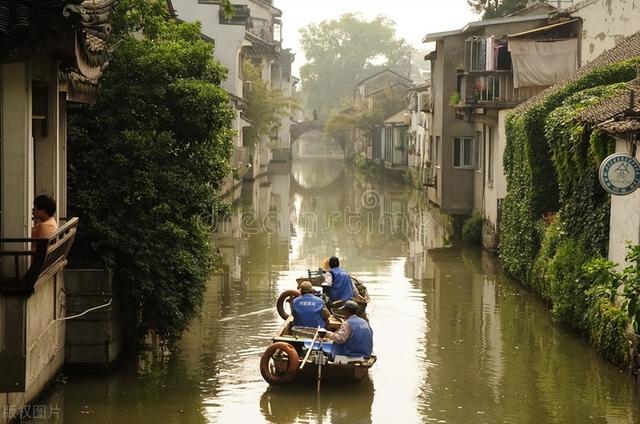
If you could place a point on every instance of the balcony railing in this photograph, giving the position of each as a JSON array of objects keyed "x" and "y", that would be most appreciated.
[
  {"x": 261, "y": 28},
  {"x": 25, "y": 260},
  {"x": 494, "y": 88}
]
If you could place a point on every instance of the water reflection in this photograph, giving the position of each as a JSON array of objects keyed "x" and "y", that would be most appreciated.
[
  {"x": 280, "y": 405},
  {"x": 456, "y": 340}
]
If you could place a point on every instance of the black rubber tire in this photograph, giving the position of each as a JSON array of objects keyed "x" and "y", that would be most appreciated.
[{"x": 285, "y": 296}]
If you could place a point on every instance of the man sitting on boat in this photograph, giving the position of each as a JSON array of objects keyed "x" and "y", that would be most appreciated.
[
  {"x": 308, "y": 310},
  {"x": 354, "y": 338},
  {"x": 339, "y": 283}
]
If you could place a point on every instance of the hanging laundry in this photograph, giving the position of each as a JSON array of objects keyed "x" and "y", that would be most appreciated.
[{"x": 539, "y": 63}]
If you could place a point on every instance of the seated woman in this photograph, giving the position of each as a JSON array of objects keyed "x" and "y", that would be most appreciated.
[{"x": 44, "y": 207}]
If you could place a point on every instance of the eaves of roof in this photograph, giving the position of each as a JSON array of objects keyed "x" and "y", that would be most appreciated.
[{"x": 480, "y": 24}]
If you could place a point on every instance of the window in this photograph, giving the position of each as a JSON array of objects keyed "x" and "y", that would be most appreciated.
[
  {"x": 437, "y": 151},
  {"x": 463, "y": 152}
]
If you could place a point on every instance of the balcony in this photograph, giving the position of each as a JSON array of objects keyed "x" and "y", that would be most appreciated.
[
  {"x": 493, "y": 90},
  {"x": 262, "y": 29},
  {"x": 241, "y": 15},
  {"x": 25, "y": 260}
]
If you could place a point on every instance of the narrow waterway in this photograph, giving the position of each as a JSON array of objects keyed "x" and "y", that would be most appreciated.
[{"x": 457, "y": 341}]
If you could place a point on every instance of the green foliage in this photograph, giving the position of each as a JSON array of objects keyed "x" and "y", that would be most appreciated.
[
  {"x": 145, "y": 163},
  {"x": 567, "y": 285},
  {"x": 266, "y": 104},
  {"x": 552, "y": 235},
  {"x": 607, "y": 322},
  {"x": 342, "y": 123},
  {"x": 550, "y": 165},
  {"x": 551, "y": 162},
  {"x": 472, "y": 228},
  {"x": 607, "y": 330},
  {"x": 454, "y": 100},
  {"x": 341, "y": 52}
]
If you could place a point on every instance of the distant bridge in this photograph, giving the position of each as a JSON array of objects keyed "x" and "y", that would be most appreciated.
[{"x": 302, "y": 127}]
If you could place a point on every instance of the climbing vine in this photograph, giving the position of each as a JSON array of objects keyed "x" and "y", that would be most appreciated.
[{"x": 555, "y": 214}]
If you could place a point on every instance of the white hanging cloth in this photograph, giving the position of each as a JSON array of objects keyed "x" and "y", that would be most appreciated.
[{"x": 542, "y": 63}]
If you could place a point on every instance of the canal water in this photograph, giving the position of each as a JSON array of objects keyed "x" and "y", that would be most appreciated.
[{"x": 457, "y": 341}]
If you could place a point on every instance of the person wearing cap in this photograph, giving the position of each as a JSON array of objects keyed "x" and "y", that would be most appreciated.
[
  {"x": 337, "y": 280},
  {"x": 354, "y": 338},
  {"x": 308, "y": 310}
]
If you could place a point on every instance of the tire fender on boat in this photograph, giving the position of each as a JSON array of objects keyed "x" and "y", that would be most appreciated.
[
  {"x": 287, "y": 295},
  {"x": 292, "y": 363}
]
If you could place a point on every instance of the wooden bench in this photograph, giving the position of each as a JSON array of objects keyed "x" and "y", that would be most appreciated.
[{"x": 47, "y": 256}]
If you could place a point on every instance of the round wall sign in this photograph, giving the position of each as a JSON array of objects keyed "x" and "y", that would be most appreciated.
[{"x": 620, "y": 174}]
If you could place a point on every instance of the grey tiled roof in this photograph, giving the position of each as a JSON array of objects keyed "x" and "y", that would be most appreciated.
[{"x": 614, "y": 107}]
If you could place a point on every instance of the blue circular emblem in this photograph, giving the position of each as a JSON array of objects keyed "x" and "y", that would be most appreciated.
[{"x": 620, "y": 174}]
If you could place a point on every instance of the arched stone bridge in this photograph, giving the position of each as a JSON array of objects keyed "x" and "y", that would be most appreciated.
[{"x": 302, "y": 127}]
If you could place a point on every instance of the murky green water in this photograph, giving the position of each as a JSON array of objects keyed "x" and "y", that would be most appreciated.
[{"x": 456, "y": 341}]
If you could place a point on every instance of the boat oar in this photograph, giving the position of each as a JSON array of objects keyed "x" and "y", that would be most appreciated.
[{"x": 304, "y": 361}]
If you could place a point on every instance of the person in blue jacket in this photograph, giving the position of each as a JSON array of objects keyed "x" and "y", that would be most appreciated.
[
  {"x": 308, "y": 310},
  {"x": 338, "y": 282},
  {"x": 354, "y": 338}
]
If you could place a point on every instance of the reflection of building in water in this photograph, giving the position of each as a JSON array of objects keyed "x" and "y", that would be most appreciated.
[
  {"x": 393, "y": 212},
  {"x": 261, "y": 218},
  {"x": 461, "y": 312}
]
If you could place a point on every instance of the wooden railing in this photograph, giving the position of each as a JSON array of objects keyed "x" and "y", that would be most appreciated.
[{"x": 33, "y": 258}]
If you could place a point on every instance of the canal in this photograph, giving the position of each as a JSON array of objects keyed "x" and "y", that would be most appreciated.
[{"x": 457, "y": 341}]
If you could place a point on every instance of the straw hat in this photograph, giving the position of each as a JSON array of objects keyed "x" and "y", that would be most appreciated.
[
  {"x": 306, "y": 287},
  {"x": 325, "y": 264}
]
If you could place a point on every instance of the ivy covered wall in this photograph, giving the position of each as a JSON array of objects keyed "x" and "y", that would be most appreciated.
[{"x": 555, "y": 216}]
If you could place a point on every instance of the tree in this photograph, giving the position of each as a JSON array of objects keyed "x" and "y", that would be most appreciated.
[
  {"x": 343, "y": 122},
  {"x": 498, "y": 8},
  {"x": 342, "y": 52},
  {"x": 266, "y": 105},
  {"x": 145, "y": 163}
]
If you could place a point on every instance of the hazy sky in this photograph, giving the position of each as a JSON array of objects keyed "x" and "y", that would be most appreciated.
[{"x": 414, "y": 18}]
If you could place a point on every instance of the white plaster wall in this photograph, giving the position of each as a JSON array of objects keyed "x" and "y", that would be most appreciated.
[
  {"x": 499, "y": 188},
  {"x": 47, "y": 148},
  {"x": 624, "y": 224},
  {"x": 229, "y": 38},
  {"x": 17, "y": 150},
  {"x": 45, "y": 336},
  {"x": 604, "y": 23}
]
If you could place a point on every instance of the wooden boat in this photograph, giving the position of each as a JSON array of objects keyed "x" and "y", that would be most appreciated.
[{"x": 297, "y": 353}]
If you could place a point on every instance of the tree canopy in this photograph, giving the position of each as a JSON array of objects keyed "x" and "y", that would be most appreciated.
[
  {"x": 145, "y": 163},
  {"x": 342, "y": 52},
  {"x": 498, "y": 8}
]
